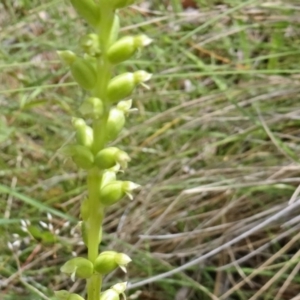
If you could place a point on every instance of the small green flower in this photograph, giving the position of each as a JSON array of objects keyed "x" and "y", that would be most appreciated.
[
  {"x": 123, "y": 85},
  {"x": 108, "y": 261},
  {"x": 84, "y": 133},
  {"x": 114, "y": 191},
  {"x": 115, "y": 123},
  {"x": 126, "y": 47},
  {"x": 109, "y": 157}
]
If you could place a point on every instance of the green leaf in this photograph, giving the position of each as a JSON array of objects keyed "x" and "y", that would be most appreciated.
[{"x": 35, "y": 203}]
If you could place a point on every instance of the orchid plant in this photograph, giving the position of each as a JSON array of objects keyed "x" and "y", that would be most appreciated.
[{"x": 99, "y": 121}]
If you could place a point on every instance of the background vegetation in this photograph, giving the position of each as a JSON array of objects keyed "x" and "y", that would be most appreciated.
[{"x": 215, "y": 145}]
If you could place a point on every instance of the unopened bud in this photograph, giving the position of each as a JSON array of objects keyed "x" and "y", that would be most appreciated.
[
  {"x": 105, "y": 262},
  {"x": 123, "y": 85},
  {"x": 114, "y": 191},
  {"x": 92, "y": 108},
  {"x": 89, "y": 10},
  {"x": 84, "y": 73},
  {"x": 126, "y": 47},
  {"x": 67, "y": 56},
  {"x": 91, "y": 44},
  {"x": 115, "y": 123},
  {"x": 84, "y": 133},
  {"x": 108, "y": 261},
  {"x": 78, "y": 267},
  {"x": 109, "y": 157}
]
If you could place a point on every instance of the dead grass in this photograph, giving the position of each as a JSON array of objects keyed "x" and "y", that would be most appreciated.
[{"x": 215, "y": 145}]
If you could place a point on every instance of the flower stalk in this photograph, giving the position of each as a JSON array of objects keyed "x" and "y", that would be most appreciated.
[{"x": 106, "y": 110}]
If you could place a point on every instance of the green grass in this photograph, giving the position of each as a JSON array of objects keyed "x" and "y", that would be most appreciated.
[{"x": 215, "y": 145}]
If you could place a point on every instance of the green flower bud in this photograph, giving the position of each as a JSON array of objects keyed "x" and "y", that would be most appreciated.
[
  {"x": 65, "y": 295},
  {"x": 109, "y": 157},
  {"x": 78, "y": 267},
  {"x": 116, "y": 119},
  {"x": 68, "y": 57},
  {"x": 84, "y": 73},
  {"x": 92, "y": 108},
  {"x": 89, "y": 10},
  {"x": 123, "y": 85},
  {"x": 105, "y": 262},
  {"x": 91, "y": 44},
  {"x": 115, "y": 123},
  {"x": 114, "y": 191},
  {"x": 108, "y": 261},
  {"x": 126, "y": 47},
  {"x": 81, "y": 155},
  {"x": 84, "y": 133}
]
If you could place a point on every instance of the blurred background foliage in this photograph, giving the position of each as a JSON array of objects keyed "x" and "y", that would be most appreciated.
[{"x": 214, "y": 144}]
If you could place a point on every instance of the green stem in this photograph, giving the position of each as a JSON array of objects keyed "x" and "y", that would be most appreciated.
[
  {"x": 94, "y": 223},
  {"x": 94, "y": 230}
]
